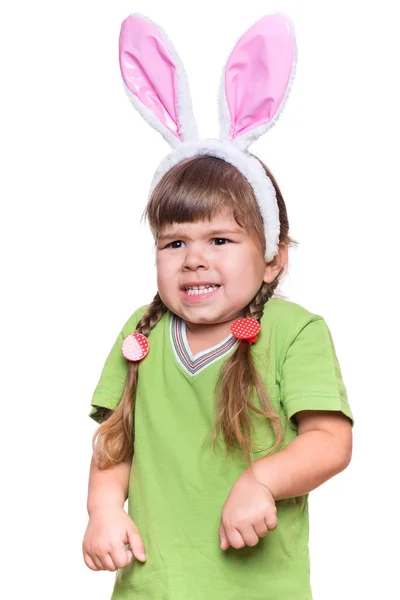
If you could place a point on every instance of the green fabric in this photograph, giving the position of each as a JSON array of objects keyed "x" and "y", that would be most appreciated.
[{"x": 178, "y": 484}]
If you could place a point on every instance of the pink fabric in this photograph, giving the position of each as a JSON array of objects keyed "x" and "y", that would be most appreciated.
[
  {"x": 258, "y": 73},
  {"x": 149, "y": 70}
]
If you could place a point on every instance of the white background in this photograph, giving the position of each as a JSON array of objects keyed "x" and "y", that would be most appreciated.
[{"x": 77, "y": 162}]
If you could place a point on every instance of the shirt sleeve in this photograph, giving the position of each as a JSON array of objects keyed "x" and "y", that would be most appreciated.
[
  {"x": 111, "y": 385},
  {"x": 311, "y": 376}
]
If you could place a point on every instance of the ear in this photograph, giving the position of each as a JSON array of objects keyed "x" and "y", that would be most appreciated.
[
  {"x": 155, "y": 79},
  {"x": 256, "y": 80},
  {"x": 275, "y": 266}
]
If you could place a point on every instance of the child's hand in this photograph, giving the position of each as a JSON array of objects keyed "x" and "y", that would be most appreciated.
[
  {"x": 248, "y": 513},
  {"x": 107, "y": 533}
]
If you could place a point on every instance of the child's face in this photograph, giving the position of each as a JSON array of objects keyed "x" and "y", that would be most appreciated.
[{"x": 209, "y": 253}]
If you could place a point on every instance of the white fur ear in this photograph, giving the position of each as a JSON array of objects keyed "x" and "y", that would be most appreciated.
[
  {"x": 257, "y": 79},
  {"x": 155, "y": 79}
]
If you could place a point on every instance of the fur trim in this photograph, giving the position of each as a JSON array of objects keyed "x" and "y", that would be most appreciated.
[
  {"x": 245, "y": 140},
  {"x": 224, "y": 114},
  {"x": 187, "y": 126},
  {"x": 148, "y": 116}
]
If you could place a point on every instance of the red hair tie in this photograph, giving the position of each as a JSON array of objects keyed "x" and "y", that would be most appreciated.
[
  {"x": 135, "y": 346},
  {"x": 246, "y": 329}
]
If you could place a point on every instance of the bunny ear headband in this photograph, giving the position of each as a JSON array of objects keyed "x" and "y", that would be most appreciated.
[{"x": 255, "y": 84}]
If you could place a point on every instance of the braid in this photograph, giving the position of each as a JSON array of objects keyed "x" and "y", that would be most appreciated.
[
  {"x": 255, "y": 309},
  {"x": 113, "y": 441},
  {"x": 238, "y": 378},
  {"x": 152, "y": 316}
]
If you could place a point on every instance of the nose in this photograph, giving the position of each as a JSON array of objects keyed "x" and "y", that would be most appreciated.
[{"x": 195, "y": 258}]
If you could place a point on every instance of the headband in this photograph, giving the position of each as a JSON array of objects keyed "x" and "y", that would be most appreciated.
[{"x": 255, "y": 84}]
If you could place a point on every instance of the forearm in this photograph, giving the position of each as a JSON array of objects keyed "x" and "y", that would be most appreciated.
[
  {"x": 308, "y": 461},
  {"x": 107, "y": 486}
]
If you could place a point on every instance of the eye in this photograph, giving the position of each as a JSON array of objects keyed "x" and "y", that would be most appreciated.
[
  {"x": 222, "y": 240},
  {"x": 171, "y": 244}
]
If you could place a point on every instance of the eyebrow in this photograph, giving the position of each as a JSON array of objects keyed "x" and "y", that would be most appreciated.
[{"x": 214, "y": 233}]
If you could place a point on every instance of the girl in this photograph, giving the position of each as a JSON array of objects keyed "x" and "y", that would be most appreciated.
[{"x": 215, "y": 429}]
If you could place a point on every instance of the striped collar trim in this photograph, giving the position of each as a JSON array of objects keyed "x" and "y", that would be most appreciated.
[{"x": 194, "y": 364}]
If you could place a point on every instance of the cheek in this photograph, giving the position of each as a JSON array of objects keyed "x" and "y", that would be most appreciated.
[
  {"x": 165, "y": 270},
  {"x": 245, "y": 274},
  {"x": 244, "y": 265}
]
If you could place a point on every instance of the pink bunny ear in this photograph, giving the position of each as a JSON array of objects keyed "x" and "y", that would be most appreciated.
[
  {"x": 155, "y": 79},
  {"x": 257, "y": 79}
]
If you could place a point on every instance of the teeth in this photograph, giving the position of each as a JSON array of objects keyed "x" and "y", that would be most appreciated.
[{"x": 200, "y": 289}]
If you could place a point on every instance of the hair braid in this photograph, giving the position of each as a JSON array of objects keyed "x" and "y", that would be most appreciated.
[
  {"x": 113, "y": 441},
  {"x": 238, "y": 378},
  {"x": 255, "y": 309}
]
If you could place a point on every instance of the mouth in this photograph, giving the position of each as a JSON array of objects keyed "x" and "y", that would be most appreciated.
[
  {"x": 195, "y": 293},
  {"x": 194, "y": 290}
]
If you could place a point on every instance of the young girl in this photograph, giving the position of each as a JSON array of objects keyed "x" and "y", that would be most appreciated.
[{"x": 215, "y": 428}]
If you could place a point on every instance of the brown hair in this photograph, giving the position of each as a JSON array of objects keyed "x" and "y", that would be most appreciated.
[{"x": 198, "y": 188}]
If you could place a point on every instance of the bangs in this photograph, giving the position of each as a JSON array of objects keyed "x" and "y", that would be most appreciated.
[{"x": 199, "y": 189}]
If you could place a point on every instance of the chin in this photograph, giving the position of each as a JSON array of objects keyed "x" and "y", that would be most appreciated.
[{"x": 205, "y": 317}]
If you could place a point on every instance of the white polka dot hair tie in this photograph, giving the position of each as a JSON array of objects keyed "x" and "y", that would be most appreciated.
[
  {"x": 246, "y": 329},
  {"x": 135, "y": 346}
]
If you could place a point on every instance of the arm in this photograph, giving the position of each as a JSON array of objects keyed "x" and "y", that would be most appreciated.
[
  {"x": 110, "y": 528},
  {"x": 107, "y": 487},
  {"x": 321, "y": 450}
]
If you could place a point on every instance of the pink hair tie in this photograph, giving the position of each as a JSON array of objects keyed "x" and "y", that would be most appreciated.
[
  {"x": 246, "y": 329},
  {"x": 135, "y": 346}
]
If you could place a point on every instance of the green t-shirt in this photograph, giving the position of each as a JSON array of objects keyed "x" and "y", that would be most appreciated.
[{"x": 179, "y": 484}]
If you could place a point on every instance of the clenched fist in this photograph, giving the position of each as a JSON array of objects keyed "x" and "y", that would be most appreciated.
[
  {"x": 248, "y": 514},
  {"x": 107, "y": 533}
]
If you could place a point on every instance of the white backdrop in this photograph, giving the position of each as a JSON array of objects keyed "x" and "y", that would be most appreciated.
[{"x": 77, "y": 162}]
